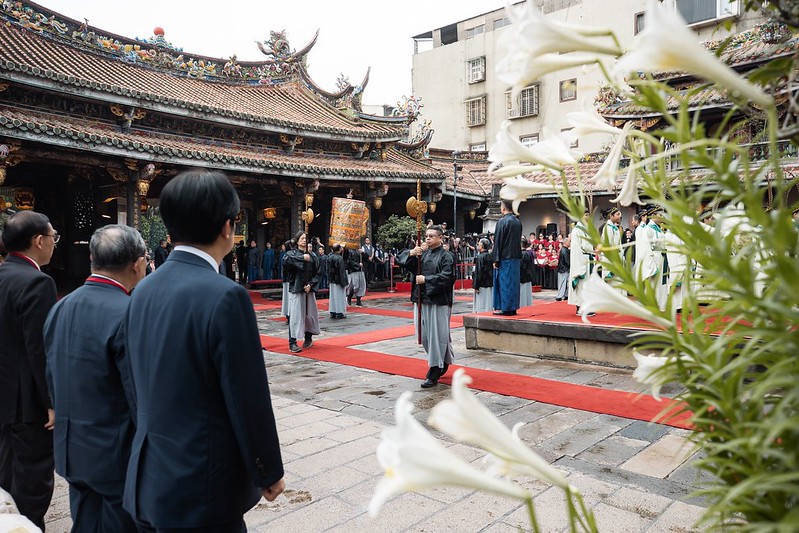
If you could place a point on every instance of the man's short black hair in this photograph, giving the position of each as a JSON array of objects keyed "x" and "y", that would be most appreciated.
[
  {"x": 196, "y": 204},
  {"x": 21, "y": 227},
  {"x": 437, "y": 229},
  {"x": 508, "y": 205}
]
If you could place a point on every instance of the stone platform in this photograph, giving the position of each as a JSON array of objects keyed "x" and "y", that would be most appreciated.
[{"x": 587, "y": 343}]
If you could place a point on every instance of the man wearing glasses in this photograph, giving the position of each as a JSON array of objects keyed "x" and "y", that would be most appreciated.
[
  {"x": 433, "y": 283},
  {"x": 26, "y": 415}
]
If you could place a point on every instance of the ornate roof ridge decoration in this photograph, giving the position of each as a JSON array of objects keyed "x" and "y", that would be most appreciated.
[
  {"x": 156, "y": 52},
  {"x": 763, "y": 42},
  {"x": 742, "y": 51},
  {"x": 347, "y": 98}
]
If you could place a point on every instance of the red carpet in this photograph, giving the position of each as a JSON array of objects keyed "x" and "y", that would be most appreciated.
[
  {"x": 563, "y": 313},
  {"x": 592, "y": 399}
]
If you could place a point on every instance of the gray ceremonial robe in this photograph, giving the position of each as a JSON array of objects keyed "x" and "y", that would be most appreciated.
[{"x": 303, "y": 315}]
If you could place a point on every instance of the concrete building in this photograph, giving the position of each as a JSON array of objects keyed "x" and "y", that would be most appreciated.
[{"x": 454, "y": 75}]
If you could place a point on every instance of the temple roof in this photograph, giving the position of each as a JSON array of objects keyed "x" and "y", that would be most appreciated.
[
  {"x": 742, "y": 52},
  {"x": 37, "y": 50},
  {"x": 101, "y": 138}
]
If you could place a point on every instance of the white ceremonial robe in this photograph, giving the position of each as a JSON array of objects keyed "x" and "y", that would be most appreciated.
[
  {"x": 284, "y": 302},
  {"x": 652, "y": 263},
  {"x": 611, "y": 237},
  {"x": 580, "y": 255},
  {"x": 678, "y": 265}
]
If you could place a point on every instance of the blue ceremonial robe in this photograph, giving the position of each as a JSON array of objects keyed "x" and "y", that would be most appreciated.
[{"x": 506, "y": 285}]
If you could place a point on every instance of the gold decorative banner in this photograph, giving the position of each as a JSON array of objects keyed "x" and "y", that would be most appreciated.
[{"x": 348, "y": 222}]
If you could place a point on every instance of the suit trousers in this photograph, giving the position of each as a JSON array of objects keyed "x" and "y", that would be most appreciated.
[
  {"x": 237, "y": 526},
  {"x": 26, "y": 468},
  {"x": 98, "y": 507}
]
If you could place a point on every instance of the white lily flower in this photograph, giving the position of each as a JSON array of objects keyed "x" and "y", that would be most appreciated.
[
  {"x": 629, "y": 189},
  {"x": 537, "y": 34},
  {"x": 588, "y": 121},
  {"x": 599, "y": 296},
  {"x": 508, "y": 171},
  {"x": 519, "y": 68},
  {"x": 519, "y": 189},
  {"x": 647, "y": 366},
  {"x": 666, "y": 44},
  {"x": 414, "y": 460},
  {"x": 552, "y": 152},
  {"x": 606, "y": 175},
  {"x": 466, "y": 419}
]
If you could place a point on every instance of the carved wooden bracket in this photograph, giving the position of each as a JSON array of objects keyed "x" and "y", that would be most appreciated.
[
  {"x": 358, "y": 149},
  {"x": 118, "y": 174},
  {"x": 289, "y": 142}
]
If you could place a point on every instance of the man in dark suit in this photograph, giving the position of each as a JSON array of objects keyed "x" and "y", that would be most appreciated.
[
  {"x": 89, "y": 379},
  {"x": 206, "y": 446},
  {"x": 26, "y": 415},
  {"x": 160, "y": 253}
]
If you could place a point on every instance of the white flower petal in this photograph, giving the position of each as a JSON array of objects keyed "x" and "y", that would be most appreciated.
[
  {"x": 666, "y": 44},
  {"x": 520, "y": 69},
  {"x": 606, "y": 175},
  {"x": 413, "y": 460},
  {"x": 587, "y": 122},
  {"x": 645, "y": 371},
  {"x": 629, "y": 189},
  {"x": 466, "y": 419},
  {"x": 599, "y": 297}
]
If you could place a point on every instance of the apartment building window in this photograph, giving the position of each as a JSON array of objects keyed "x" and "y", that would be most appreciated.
[
  {"x": 476, "y": 69},
  {"x": 695, "y": 11},
  {"x": 501, "y": 23},
  {"x": 528, "y": 140},
  {"x": 568, "y": 90},
  {"x": 640, "y": 22},
  {"x": 525, "y": 104},
  {"x": 475, "y": 31},
  {"x": 477, "y": 147},
  {"x": 476, "y": 111}
]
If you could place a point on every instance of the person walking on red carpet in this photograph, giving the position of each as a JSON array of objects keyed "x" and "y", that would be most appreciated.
[
  {"x": 302, "y": 267},
  {"x": 435, "y": 288}
]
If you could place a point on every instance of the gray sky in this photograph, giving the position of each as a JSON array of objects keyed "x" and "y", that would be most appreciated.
[{"x": 354, "y": 34}]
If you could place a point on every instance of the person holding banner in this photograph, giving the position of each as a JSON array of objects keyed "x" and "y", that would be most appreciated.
[
  {"x": 337, "y": 272},
  {"x": 301, "y": 269},
  {"x": 434, "y": 285}
]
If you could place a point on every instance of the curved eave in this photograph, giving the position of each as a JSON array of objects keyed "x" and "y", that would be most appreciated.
[{"x": 86, "y": 136}]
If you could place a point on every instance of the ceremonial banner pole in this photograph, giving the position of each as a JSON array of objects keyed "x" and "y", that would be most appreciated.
[{"x": 416, "y": 208}]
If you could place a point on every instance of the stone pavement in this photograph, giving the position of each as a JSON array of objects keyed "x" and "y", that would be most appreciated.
[{"x": 635, "y": 476}]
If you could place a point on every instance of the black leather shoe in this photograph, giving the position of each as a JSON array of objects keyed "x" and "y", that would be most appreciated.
[
  {"x": 426, "y": 384},
  {"x": 308, "y": 342},
  {"x": 294, "y": 348},
  {"x": 444, "y": 370}
]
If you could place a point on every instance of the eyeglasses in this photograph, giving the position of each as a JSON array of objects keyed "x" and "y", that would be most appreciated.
[{"x": 56, "y": 237}]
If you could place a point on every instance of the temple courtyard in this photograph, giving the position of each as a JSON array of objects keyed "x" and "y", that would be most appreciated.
[{"x": 332, "y": 402}]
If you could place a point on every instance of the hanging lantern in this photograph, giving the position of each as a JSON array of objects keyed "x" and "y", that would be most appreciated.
[
  {"x": 432, "y": 206},
  {"x": 472, "y": 213},
  {"x": 378, "y": 202}
]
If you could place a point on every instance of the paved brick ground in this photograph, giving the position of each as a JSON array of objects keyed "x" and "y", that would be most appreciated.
[{"x": 637, "y": 477}]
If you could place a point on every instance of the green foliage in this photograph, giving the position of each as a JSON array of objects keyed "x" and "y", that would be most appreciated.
[
  {"x": 396, "y": 230},
  {"x": 734, "y": 346},
  {"x": 152, "y": 229}
]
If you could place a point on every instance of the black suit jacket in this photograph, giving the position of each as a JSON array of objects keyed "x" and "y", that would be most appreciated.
[
  {"x": 205, "y": 440},
  {"x": 90, "y": 385},
  {"x": 26, "y": 296}
]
